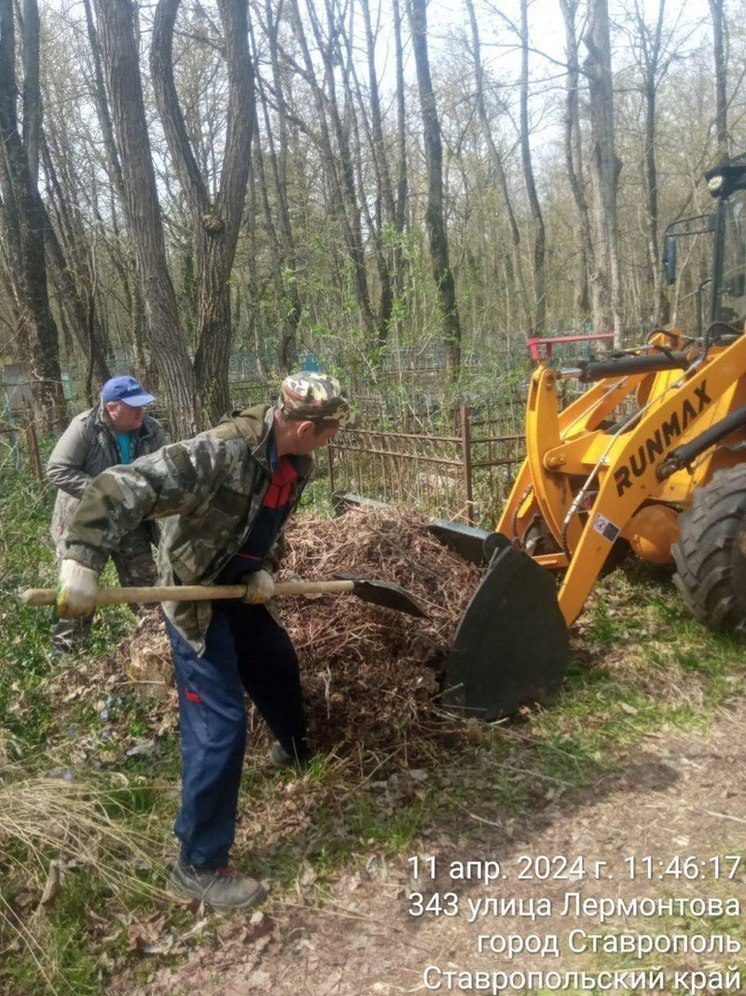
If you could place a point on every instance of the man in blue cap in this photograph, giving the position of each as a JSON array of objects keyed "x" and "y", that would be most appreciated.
[{"x": 115, "y": 431}]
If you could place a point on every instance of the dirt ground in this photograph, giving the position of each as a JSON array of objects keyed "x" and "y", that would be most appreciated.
[{"x": 671, "y": 795}]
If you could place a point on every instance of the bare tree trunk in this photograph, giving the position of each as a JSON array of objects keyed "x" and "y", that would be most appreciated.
[
  {"x": 356, "y": 107},
  {"x": 116, "y": 31},
  {"x": 23, "y": 216},
  {"x": 650, "y": 50},
  {"x": 605, "y": 168},
  {"x": 282, "y": 240},
  {"x": 89, "y": 339},
  {"x": 401, "y": 126},
  {"x": 283, "y": 277},
  {"x": 661, "y": 312},
  {"x": 539, "y": 271},
  {"x": 337, "y": 167},
  {"x": 254, "y": 304},
  {"x": 434, "y": 220},
  {"x": 383, "y": 173},
  {"x": 132, "y": 289},
  {"x": 574, "y": 155},
  {"x": 400, "y": 199},
  {"x": 216, "y": 222},
  {"x": 32, "y": 110},
  {"x": 331, "y": 56},
  {"x": 513, "y": 262},
  {"x": 65, "y": 256},
  {"x": 717, "y": 10},
  {"x": 386, "y": 207}
]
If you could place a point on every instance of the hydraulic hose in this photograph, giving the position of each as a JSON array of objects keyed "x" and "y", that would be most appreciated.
[
  {"x": 588, "y": 371},
  {"x": 682, "y": 456}
]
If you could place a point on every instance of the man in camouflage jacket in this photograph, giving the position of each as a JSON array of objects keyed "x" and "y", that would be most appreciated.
[
  {"x": 222, "y": 500},
  {"x": 114, "y": 431}
]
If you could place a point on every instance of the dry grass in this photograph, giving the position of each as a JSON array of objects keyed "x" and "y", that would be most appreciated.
[{"x": 52, "y": 827}]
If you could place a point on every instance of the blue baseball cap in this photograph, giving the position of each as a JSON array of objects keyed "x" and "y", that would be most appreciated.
[{"x": 126, "y": 389}]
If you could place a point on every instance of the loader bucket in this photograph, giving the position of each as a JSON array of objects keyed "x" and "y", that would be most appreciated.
[{"x": 511, "y": 646}]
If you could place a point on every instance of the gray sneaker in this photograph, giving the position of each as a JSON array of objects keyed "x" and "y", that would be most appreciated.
[
  {"x": 280, "y": 758},
  {"x": 221, "y": 888}
]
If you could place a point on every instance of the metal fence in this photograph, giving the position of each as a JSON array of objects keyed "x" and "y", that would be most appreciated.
[
  {"x": 19, "y": 442},
  {"x": 463, "y": 472},
  {"x": 464, "y": 476}
]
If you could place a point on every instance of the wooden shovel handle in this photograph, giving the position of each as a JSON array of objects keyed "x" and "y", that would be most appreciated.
[
  {"x": 190, "y": 593},
  {"x": 314, "y": 588}
]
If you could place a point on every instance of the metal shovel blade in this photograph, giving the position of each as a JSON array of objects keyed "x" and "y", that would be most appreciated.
[
  {"x": 384, "y": 593},
  {"x": 512, "y": 645}
]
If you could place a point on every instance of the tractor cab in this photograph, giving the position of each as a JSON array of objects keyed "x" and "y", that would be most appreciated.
[{"x": 727, "y": 184}]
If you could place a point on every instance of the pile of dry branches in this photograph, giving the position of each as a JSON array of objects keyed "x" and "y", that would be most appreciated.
[{"x": 370, "y": 674}]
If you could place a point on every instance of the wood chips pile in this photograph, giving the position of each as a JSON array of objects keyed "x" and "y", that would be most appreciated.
[{"x": 369, "y": 674}]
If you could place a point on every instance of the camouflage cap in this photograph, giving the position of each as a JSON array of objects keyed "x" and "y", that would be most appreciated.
[{"x": 315, "y": 396}]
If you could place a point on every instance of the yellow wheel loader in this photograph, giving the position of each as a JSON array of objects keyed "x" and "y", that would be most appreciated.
[{"x": 652, "y": 458}]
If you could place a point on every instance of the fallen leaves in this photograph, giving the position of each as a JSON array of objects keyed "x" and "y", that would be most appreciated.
[{"x": 52, "y": 885}]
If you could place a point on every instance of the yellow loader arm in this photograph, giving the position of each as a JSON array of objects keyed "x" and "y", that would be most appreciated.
[{"x": 586, "y": 485}]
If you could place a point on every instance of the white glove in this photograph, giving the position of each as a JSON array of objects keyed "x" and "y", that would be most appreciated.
[
  {"x": 259, "y": 587},
  {"x": 77, "y": 590}
]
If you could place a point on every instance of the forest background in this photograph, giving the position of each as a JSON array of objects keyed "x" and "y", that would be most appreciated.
[{"x": 191, "y": 189}]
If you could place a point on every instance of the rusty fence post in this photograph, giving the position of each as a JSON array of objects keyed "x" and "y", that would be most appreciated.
[
  {"x": 330, "y": 458},
  {"x": 32, "y": 441},
  {"x": 466, "y": 454}
]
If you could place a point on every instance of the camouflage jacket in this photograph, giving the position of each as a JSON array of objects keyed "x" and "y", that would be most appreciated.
[
  {"x": 206, "y": 493},
  {"x": 86, "y": 447}
]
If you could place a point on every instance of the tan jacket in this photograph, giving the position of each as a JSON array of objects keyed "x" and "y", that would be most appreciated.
[{"x": 86, "y": 447}]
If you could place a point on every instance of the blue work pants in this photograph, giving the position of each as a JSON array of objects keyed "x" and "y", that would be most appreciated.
[{"x": 246, "y": 651}]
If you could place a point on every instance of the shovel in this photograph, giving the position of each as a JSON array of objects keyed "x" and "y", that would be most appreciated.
[{"x": 384, "y": 593}]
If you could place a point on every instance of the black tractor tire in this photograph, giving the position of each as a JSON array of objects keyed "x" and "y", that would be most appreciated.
[{"x": 710, "y": 556}]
